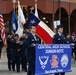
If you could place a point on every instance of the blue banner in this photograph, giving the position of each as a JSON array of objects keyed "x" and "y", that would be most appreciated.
[{"x": 53, "y": 58}]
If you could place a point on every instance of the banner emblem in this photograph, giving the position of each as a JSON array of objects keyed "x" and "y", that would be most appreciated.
[
  {"x": 43, "y": 61},
  {"x": 54, "y": 61},
  {"x": 64, "y": 60}
]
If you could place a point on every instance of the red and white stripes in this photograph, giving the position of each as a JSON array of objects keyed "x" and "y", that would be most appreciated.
[
  {"x": 2, "y": 28},
  {"x": 1, "y": 22},
  {"x": 3, "y": 36}
]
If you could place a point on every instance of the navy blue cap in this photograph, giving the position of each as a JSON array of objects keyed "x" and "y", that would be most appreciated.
[
  {"x": 16, "y": 35},
  {"x": 8, "y": 33},
  {"x": 59, "y": 26}
]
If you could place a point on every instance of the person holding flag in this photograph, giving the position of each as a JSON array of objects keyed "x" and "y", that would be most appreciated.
[{"x": 17, "y": 28}]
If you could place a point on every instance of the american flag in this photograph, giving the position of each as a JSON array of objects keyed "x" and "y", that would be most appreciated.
[
  {"x": 1, "y": 21},
  {"x": 2, "y": 28}
]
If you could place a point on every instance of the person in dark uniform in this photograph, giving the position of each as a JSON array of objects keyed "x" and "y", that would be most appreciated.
[
  {"x": 32, "y": 40},
  {"x": 8, "y": 50},
  {"x": 75, "y": 50},
  {"x": 68, "y": 39},
  {"x": 73, "y": 45},
  {"x": 16, "y": 53},
  {"x": 1, "y": 44},
  {"x": 23, "y": 50},
  {"x": 59, "y": 39}
]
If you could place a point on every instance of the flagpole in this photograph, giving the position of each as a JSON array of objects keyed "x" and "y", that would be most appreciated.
[
  {"x": 14, "y": 2},
  {"x": 35, "y": 3},
  {"x": 21, "y": 20},
  {"x": 36, "y": 14}
]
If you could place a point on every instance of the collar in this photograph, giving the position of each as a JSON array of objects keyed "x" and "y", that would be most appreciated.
[{"x": 59, "y": 33}]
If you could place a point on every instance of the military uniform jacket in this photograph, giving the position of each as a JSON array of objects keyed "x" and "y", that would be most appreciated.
[
  {"x": 9, "y": 45},
  {"x": 31, "y": 40},
  {"x": 1, "y": 42},
  {"x": 59, "y": 39},
  {"x": 23, "y": 46},
  {"x": 15, "y": 46}
]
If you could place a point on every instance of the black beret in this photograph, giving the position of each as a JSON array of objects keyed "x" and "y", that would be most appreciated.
[{"x": 59, "y": 26}]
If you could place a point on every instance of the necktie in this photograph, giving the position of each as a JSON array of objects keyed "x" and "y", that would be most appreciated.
[{"x": 34, "y": 36}]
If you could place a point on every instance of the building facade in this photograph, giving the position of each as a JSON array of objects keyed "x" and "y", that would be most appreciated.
[{"x": 49, "y": 11}]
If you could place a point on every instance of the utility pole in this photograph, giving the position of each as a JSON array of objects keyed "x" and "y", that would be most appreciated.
[
  {"x": 59, "y": 10},
  {"x": 53, "y": 16},
  {"x": 69, "y": 20}
]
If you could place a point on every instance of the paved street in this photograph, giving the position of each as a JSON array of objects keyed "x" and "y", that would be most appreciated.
[{"x": 4, "y": 69}]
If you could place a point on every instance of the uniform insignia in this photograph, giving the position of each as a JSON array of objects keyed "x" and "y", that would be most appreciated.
[
  {"x": 32, "y": 39},
  {"x": 64, "y": 38},
  {"x": 58, "y": 38}
]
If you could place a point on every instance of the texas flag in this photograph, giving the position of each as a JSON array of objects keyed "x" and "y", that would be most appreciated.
[{"x": 42, "y": 30}]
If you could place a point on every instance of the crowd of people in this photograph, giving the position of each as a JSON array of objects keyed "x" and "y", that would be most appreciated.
[
  {"x": 21, "y": 50},
  {"x": 72, "y": 40}
]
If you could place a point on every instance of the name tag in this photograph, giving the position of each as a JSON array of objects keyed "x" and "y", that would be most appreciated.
[
  {"x": 64, "y": 38},
  {"x": 32, "y": 39},
  {"x": 59, "y": 39}
]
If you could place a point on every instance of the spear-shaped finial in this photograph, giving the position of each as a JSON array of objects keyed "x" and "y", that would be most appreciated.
[{"x": 13, "y": 1}]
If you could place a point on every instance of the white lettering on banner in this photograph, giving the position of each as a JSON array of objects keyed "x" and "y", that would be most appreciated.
[
  {"x": 44, "y": 46},
  {"x": 64, "y": 46},
  {"x": 60, "y": 50},
  {"x": 50, "y": 51},
  {"x": 55, "y": 46},
  {"x": 54, "y": 71},
  {"x": 54, "y": 51}
]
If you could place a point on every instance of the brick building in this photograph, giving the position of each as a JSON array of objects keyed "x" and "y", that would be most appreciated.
[{"x": 49, "y": 10}]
